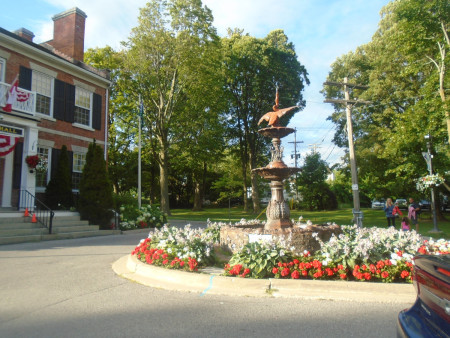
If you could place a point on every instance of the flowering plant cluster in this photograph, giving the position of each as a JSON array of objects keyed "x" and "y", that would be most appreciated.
[
  {"x": 259, "y": 257},
  {"x": 41, "y": 167},
  {"x": 185, "y": 242},
  {"x": 32, "y": 161},
  {"x": 429, "y": 181},
  {"x": 236, "y": 270},
  {"x": 359, "y": 254},
  {"x": 153, "y": 256},
  {"x": 356, "y": 246},
  {"x": 149, "y": 216}
]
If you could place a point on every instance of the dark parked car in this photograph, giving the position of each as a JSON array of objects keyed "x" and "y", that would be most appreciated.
[
  {"x": 425, "y": 205},
  {"x": 430, "y": 314}
]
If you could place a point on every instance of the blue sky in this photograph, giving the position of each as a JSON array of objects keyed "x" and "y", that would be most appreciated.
[{"x": 321, "y": 31}]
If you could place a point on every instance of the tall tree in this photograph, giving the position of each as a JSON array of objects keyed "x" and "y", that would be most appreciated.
[
  {"x": 96, "y": 199},
  {"x": 58, "y": 194},
  {"x": 402, "y": 67},
  {"x": 170, "y": 57},
  {"x": 254, "y": 68}
]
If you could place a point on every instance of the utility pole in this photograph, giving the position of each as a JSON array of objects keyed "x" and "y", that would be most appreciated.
[
  {"x": 351, "y": 147},
  {"x": 295, "y": 147},
  {"x": 314, "y": 147},
  {"x": 428, "y": 156},
  {"x": 295, "y": 160}
]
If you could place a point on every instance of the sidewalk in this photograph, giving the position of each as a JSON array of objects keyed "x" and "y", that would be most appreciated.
[{"x": 210, "y": 282}]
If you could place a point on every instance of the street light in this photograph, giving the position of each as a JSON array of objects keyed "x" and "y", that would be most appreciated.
[{"x": 430, "y": 169}]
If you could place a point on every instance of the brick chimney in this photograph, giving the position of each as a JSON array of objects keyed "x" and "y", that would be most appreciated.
[
  {"x": 68, "y": 33},
  {"x": 24, "y": 33}
]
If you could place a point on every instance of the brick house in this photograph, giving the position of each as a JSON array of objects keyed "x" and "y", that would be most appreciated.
[{"x": 59, "y": 101}]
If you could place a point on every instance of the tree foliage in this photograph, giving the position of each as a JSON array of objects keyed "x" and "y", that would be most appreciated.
[
  {"x": 402, "y": 66},
  {"x": 58, "y": 194},
  {"x": 315, "y": 192},
  {"x": 96, "y": 201},
  {"x": 253, "y": 69},
  {"x": 171, "y": 57}
]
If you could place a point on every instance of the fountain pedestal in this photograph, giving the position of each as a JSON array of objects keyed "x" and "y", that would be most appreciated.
[{"x": 278, "y": 214}]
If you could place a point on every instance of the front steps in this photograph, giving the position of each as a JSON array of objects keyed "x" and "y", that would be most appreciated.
[{"x": 15, "y": 228}]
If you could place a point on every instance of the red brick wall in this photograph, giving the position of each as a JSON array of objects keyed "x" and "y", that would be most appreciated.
[{"x": 12, "y": 70}]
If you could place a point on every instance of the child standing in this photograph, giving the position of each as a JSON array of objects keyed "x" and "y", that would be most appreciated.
[{"x": 405, "y": 224}]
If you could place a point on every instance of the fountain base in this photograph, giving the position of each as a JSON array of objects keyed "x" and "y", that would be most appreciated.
[{"x": 300, "y": 237}]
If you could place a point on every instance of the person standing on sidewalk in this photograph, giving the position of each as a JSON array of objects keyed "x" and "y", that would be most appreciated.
[
  {"x": 389, "y": 208},
  {"x": 413, "y": 213}
]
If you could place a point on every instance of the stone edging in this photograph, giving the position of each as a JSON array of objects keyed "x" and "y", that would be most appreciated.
[{"x": 131, "y": 268}]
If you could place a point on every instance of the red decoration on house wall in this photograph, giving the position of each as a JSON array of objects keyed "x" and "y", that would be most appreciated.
[{"x": 7, "y": 144}]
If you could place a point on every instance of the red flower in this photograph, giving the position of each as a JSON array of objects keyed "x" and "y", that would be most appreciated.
[
  {"x": 380, "y": 265},
  {"x": 404, "y": 274},
  {"x": 280, "y": 264},
  {"x": 423, "y": 250},
  {"x": 340, "y": 267},
  {"x": 356, "y": 268},
  {"x": 275, "y": 271},
  {"x": 317, "y": 264},
  {"x": 296, "y": 261},
  {"x": 343, "y": 275},
  {"x": 246, "y": 272},
  {"x": 372, "y": 268},
  {"x": 364, "y": 267},
  {"x": 181, "y": 263},
  {"x": 285, "y": 272},
  {"x": 400, "y": 253},
  {"x": 295, "y": 274},
  {"x": 367, "y": 276},
  {"x": 329, "y": 272},
  {"x": 385, "y": 274},
  {"x": 165, "y": 262},
  {"x": 318, "y": 274},
  {"x": 304, "y": 273}
]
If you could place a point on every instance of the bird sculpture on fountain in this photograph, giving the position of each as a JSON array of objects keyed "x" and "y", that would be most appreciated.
[{"x": 273, "y": 117}]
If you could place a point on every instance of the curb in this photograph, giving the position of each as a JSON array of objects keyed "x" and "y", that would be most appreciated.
[{"x": 131, "y": 268}]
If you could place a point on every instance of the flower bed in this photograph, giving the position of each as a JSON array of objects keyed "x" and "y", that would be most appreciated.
[
  {"x": 358, "y": 254},
  {"x": 148, "y": 216}
]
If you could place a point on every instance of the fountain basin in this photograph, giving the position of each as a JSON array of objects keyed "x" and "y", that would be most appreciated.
[
  {"x": 276, "y": 173},
  {"x": 276, "y": 132},
  {"x": 300, "y": 236}
]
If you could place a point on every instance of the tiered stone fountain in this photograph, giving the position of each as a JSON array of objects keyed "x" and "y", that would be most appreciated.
[{"x": 279, "y": 224}]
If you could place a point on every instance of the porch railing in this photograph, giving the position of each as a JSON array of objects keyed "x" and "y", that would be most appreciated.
[
  {"x": 44, "y": 214},
  {"x": 25, "y": 101}
]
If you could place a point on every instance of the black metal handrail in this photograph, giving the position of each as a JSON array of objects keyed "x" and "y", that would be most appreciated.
[{"x": 44, "y": 214}]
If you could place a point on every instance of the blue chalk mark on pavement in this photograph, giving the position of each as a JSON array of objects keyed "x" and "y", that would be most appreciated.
[{"x": 209, "y": 286}]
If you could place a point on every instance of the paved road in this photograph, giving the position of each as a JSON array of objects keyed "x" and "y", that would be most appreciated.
[{"x": 67, "y": 289}]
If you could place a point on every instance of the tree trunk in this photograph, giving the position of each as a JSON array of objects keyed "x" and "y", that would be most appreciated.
[
  {"x": 244, "y": 185},
  {"x": 255, "y": 194},
  {"x": 197, "y": 195},
  {"x": 164, "y": 180},
  {"x": 254, "y": 180}
]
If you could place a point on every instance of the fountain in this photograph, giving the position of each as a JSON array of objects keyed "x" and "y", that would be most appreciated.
[{"x": 278, "y": 222}]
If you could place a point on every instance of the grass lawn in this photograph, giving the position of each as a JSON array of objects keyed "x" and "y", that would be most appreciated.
[{"x": 342, "y": 217}]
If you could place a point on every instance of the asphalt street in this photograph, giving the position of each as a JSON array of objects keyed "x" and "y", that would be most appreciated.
[{"x": 67, "y": 288}]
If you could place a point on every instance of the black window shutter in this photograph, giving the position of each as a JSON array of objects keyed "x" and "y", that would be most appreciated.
[
  {"x": 17, "y": 165},
  {"x": 59, "y": 105},
  {"x": 25, "y": 78},
  {"x": 97, "y": 112},
  {"x": 70, "y": 103},
  {"x": 55, "y": 159}
]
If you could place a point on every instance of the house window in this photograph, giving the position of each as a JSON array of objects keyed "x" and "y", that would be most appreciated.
[
  {"x": 79, "y": 160},
  {"x": 83, "y": 104},
  {"x": 42, "y": 176},
  {"x": 42, "y": 85},
  {"x": 2, "y": 70}
]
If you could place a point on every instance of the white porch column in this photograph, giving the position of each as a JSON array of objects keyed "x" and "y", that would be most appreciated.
[
  {"x": 7, "y": 180},
  {"x": 28, "y": 181}
]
